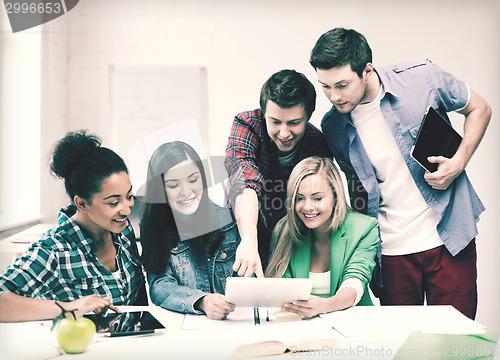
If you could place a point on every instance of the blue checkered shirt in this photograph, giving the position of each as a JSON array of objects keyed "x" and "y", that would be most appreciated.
[{"x": 63, "y": 266}]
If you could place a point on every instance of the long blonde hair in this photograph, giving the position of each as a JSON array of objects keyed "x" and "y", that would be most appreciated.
[{"x": 290, "y": 230}]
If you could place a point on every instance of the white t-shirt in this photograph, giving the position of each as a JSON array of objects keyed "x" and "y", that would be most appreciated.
[
  {"x": 321, "y": 285},
  {"x": 407, "y": 224}
]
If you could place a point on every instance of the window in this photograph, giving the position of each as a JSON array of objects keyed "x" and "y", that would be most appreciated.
[{"x": 20, "y": 73}]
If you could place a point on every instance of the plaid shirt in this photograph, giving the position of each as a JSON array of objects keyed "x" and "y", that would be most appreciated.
[
  {"x": 252, "y": 162},
  {"x": 63, "y": 266}
]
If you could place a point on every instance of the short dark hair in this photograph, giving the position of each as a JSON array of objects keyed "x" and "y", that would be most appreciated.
[
  {"x": 288, "y": 88},
  {"x": 339, "y": 47},
  {"x": 83, "y": 163}
]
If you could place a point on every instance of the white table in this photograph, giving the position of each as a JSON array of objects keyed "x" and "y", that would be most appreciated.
[
  {"x": 30, "y": 340},
  {"x": 25, "y": 341}
]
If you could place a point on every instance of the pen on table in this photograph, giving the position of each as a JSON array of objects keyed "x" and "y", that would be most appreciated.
[
  {"x": 256, "y": 316},
  {"x": 131, "y": 333}
]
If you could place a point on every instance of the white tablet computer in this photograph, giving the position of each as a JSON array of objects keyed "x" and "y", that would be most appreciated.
[{"x": 266, "y": 292}]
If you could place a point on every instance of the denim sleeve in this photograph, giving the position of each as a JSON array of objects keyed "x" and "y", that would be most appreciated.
[
  {"x": 450, "y": 91},
  {"x": 165, "y": 291}
]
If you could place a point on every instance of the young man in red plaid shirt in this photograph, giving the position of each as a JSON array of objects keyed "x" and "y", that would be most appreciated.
[{"x": 263, "y": 147}]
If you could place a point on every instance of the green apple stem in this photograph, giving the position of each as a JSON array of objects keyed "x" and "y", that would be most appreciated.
[{"x": 62, "y": 315}]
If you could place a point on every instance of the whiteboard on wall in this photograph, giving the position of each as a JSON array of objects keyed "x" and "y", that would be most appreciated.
[{"x": 151, "y": 105}]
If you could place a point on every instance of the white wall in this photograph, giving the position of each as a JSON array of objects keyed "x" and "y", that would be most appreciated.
[{"x": 241, "y": 43}]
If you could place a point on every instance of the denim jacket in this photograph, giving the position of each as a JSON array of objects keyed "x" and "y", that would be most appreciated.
[{"x": 190, "y": 275}]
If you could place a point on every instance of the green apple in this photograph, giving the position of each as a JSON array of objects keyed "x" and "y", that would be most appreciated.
[{"x": 75, "y": 334}]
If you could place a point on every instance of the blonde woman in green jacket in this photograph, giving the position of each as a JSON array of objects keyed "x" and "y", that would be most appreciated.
[{"x": 321, "y": 238}]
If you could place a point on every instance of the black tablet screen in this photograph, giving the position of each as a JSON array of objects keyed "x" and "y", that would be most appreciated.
[{"x": 435, "y": 138}]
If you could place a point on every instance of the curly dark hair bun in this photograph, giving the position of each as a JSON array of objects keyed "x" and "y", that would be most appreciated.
[
  {"x": 83, "y": 163},
  {"x": 70, "y": 150}
]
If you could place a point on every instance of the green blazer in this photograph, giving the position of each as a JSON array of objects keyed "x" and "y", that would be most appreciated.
[{"x": 353, "y": 251}]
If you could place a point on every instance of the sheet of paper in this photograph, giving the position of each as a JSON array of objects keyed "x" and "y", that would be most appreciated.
[
  {"x": 437, "y": 319},
  {"x": 240, "y": 316},
  {"x": 367, "y": 320}
]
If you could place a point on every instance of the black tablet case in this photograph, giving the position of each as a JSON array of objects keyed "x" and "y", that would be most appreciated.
[{"x": 436, "y": 137}]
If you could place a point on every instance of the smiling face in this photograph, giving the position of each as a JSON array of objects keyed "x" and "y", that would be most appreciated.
[
  {"x": 314, "y": 202},
  {"x": 344, "y": 88},
  {"x": 285, "y": 127},
  {"x": 184, "y": 187},
  {"x": 110, "y": 207}
]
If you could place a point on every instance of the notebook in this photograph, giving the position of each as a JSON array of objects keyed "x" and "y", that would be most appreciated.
[
  {"x": 449, "y": 346},
  {"x": 436, "y": 137}
]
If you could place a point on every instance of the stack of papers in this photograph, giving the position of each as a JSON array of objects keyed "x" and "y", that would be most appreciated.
[{"x": 370, "y": 320}]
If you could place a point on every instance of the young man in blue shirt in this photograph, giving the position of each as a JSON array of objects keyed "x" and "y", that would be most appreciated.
[{"x": 427, "y": 220}]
